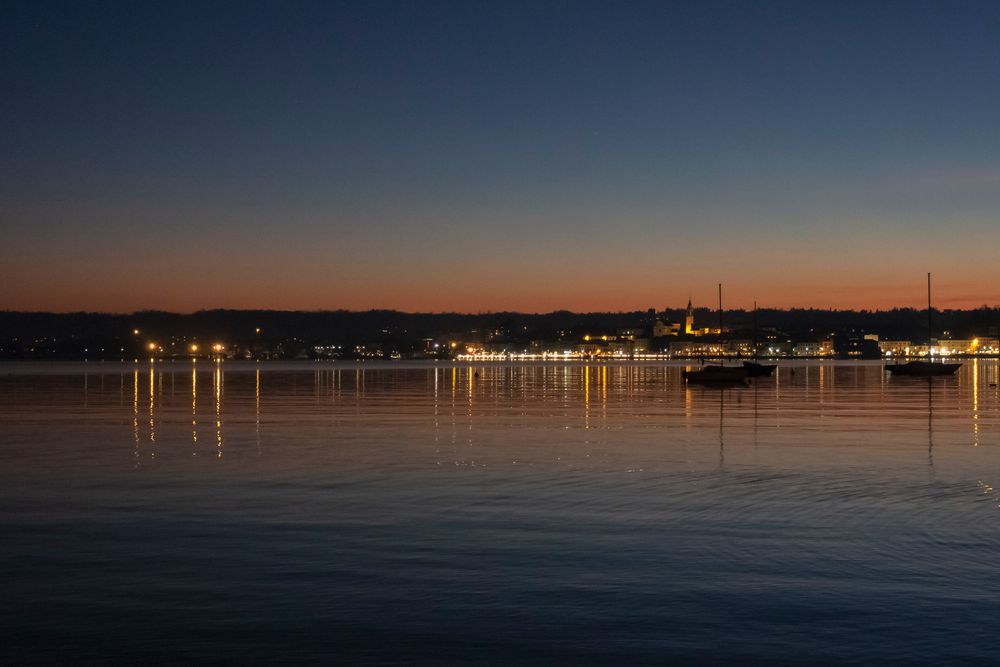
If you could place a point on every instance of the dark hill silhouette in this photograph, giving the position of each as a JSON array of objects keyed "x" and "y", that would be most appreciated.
[{"x": 76, "y": 335}]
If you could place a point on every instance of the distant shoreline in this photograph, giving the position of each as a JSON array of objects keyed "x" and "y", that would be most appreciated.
[{"x": 387, "y": 334}]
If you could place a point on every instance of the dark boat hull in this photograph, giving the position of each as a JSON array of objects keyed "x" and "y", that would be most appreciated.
[
  {"x": 923, "y": 368},
  {"x": 756, "y": 370},
  {"x": 717, "y": 375}
]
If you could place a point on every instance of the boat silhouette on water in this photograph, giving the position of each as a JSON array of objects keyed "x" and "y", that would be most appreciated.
[
  {"x": 717, "y": 375},
  {"x": 756, "y": 370},
  {"x": 924, "y": 368}
]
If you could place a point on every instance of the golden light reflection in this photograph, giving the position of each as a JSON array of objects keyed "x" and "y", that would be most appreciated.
[
  {"x": 256, "y": 394},
  {"x": 604, "y": 385},
  {"x": 975, "y": 402},
  {"x": 604, "y": 396},
  {"x": 437, "y": 421},
  {"x": 152, "y": 403},
  {"x": 135, "y": 414},
  {"x": 194, "y": 408},
  {"x": 822, "y": 384},
  {"x": 217, "y": 381}
]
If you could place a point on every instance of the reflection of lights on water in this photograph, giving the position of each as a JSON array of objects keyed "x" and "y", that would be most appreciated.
[
  {"x": 619, "y": 389},
  {"x": 218, "y": 411},
  {"x": 975, "y": 402},
  {"x": 256, "y": 394},
  {"x": 194, "y": 408},
  {"x": 152, "y": 402},
  {"x": 135, "y": 413},
  {"x": 604, "y": 388}
]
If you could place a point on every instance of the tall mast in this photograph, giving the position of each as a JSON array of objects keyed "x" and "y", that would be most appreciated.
[
  {"x": 928, "y": 313},
  {"x": 720, "y": 309}
]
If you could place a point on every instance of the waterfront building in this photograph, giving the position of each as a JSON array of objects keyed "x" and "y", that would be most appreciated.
[
  {"x": 701, "y": 347},
  {"x": 819, "y": 348},
  {"x": 661, "y": 328},
  {"x": 895, "y": 348},
  {"x": 984, "y": 345}
]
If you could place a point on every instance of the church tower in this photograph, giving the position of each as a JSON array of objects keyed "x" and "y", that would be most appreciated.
[{"x": 689, "y": 319}]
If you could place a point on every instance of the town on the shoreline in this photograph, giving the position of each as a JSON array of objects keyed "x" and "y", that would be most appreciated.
[{"x": 682, "y": 333}]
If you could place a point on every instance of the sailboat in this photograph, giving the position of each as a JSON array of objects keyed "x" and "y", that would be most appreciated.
[
  {"x": 924, "y": 368},
  {"x": 717, "y": 374},
  {"x": 759, "y": 370}
]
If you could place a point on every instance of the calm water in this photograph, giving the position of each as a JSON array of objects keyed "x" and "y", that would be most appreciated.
[{"x": 545, "y": 513}]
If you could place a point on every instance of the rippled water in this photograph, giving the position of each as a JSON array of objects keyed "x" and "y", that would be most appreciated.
[{"x": 499, "y": 513}]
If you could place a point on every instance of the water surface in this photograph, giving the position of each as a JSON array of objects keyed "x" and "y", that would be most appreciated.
[{"x": 400, "y": 513}]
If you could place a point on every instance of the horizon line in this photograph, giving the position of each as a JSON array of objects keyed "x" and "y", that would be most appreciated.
[{"x": 9, "y": 311}]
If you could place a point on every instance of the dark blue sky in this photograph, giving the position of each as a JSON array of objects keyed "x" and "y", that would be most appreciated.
[{"x": 475, "y": 156}]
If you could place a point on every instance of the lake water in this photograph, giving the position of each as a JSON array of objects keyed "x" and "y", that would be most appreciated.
[{"x": 508, "y": 513}]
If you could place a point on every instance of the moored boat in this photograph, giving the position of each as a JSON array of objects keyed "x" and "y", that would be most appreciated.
[
  {"x": 756, "y": 370},
  {"x": 923, "y": 368},
  {"x": 717, "y": 375}
]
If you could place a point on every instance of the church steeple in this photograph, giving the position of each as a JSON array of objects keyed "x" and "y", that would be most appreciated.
[{"x": 689, "y": 319}]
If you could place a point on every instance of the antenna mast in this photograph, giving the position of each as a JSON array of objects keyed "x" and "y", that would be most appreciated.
[
  {"x": 720, "y": 309},
  {"x": 928, "y": 313}
]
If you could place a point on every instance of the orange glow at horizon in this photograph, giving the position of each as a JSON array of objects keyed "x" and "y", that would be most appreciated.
[
  {"x": 543, "y": 278},
  {"x": 495, "y": 300}
]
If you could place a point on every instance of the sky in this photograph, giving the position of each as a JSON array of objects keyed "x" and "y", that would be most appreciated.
[{"x": 472, "y": 156}]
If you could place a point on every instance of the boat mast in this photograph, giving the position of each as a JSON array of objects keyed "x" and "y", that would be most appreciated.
[
  {"x": 755, "y": 329},
  {"x": 720, "y": 309},
  {"x": 928, "y": 314}
]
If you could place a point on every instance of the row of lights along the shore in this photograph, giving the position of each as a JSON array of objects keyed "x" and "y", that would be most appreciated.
[{"x": 194, "y": 348}]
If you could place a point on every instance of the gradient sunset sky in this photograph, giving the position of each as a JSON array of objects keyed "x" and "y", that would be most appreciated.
[{"x": 471, "y": 156}]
